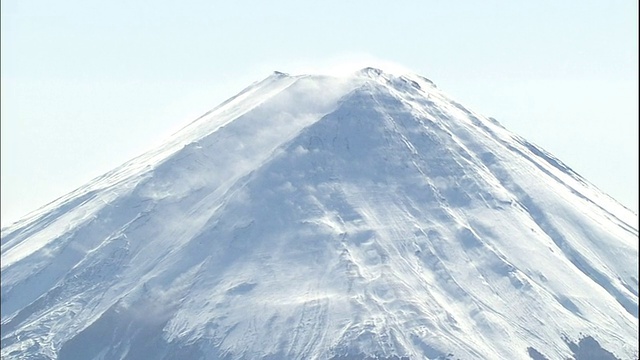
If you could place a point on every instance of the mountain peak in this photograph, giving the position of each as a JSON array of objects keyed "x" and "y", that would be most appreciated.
[
  {"x": 327, "y": 218},
  {"x": 400, "y": 78},
  {"x": 370, "y": 71}
]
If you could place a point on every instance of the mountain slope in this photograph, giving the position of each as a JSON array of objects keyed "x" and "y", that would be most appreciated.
[{"x": 323, "y": 217}]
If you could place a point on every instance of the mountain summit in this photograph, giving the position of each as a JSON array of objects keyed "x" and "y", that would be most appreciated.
[{"x": 315, "y": 217}]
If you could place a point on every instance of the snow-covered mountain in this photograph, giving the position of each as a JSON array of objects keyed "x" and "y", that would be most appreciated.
[{"x": 318, "y": 217}]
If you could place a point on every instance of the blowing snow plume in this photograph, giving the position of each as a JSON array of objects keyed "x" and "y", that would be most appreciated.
[{"x": 366, "y": 216}]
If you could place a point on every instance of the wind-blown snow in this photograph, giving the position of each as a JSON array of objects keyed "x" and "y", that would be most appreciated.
[{"x": 318, "y": 217}]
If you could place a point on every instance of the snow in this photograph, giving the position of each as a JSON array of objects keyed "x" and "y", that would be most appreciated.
[{"x": 313, "y": 217}]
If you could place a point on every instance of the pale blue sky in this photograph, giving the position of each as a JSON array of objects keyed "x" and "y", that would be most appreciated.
[{"x": 87, "y": 85}]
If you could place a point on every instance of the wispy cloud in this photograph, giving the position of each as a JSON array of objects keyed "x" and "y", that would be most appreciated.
[{"x": 340, "y": 65}]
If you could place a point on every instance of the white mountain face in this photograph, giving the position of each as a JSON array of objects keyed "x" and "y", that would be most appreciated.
[{"x": 314, "y": 217}]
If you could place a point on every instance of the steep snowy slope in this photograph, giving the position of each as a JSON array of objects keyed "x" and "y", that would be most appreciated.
[{"x": 317, "y": 217}]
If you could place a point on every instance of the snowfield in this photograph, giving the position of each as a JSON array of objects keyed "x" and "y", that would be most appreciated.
[{"x": 318, "y": 217}]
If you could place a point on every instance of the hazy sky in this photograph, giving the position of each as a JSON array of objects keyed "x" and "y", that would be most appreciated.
[{"x": 87, "y": 85}]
